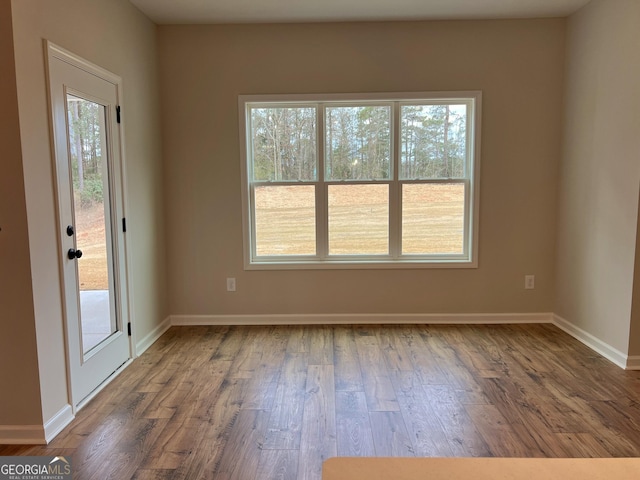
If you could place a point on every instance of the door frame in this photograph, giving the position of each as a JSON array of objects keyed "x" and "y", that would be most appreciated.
[{"x": 123, "y": 280}]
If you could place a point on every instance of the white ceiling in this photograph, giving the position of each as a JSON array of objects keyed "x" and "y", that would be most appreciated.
[{"x": 277, "y": 11}]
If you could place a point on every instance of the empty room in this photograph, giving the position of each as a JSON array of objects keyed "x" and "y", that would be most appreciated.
[{"x": 251, "y": 239}]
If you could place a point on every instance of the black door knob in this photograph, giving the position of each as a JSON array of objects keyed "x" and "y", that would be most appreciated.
[
  {"x": 73, "y": 253},
  {"x": 70, "y": 230}
]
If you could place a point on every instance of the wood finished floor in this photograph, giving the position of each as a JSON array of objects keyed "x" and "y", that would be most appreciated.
[{"x": 275, "y": 402}]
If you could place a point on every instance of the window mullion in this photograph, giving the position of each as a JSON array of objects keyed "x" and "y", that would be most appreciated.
[
  {"x": 322, "y": 215},
  {"x": 395, "y": 204}
]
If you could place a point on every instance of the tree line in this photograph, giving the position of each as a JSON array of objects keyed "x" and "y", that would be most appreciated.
[
  {"x": 357, "y": 142},
  {"x": 433, "y": 141},
  {"x": 85, "y": 143}
]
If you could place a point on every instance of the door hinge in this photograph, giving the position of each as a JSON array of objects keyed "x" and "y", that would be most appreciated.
[
  {"x": 118, "y": 113},
  {"x": 129, "y": 328},
  {"x": 124, "y": 225}
]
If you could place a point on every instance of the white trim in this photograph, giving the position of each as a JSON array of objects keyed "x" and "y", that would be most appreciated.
[
  {"x": 373, "y": 318},
  {"x": 438, "y": 97},
  {"x": 594, "y": 343},
  {"x": 58, "y": 422},
  {"x": 340, "y": 264},
  {"x": 474, "y": 184},
  {"x": 49, "y": 48},
  {"x": 22, "y": 435},
  {"x": 79, "y": 62},
  {"x": 152, "y": 336}
]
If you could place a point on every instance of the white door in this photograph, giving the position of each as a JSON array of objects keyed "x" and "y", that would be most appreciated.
[{"x": 85, "y": 113}]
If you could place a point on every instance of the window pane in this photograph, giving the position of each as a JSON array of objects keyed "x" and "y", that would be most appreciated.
[
  {"x": 433, "y": 218},
  {"x": 283, "y": 143},
  {"x": 357, "y": 143},
  {"x": 358, "y": 219},
  {"x": 285, "y": 219},
  {"x": 433, "y": 141}
]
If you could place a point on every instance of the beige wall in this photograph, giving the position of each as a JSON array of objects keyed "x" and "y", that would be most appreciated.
[
  {"x": 600, "y": 174},
  {"x": 518, "y": 65},
  {"x": 20, "y": 392},
  {"x": 116, "y": 36},
  {"x": 634, "y": 331}
]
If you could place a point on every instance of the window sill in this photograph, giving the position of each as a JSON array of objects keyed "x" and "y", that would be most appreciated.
[{"x": 360, "y": 265}]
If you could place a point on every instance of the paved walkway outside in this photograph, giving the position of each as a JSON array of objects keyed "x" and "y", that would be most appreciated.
[{"x": 96, "y": 318}]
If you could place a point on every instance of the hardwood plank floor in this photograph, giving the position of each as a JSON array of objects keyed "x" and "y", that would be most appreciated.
[{"x": 274, "y": 402}]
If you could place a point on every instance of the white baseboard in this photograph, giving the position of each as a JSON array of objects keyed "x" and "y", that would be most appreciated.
[
  {"x": 57, "y": 423},
  {"x": 373, "y": 318},
  {"x": 22, "y": 435},
  {"x": 594, "y": 343},
  {"x": 152, "y": 336}
]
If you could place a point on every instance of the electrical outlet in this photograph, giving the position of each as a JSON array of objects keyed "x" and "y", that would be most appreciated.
[
  {"x": 231, "y": 284},
  {"x": 529, "y": 282}
]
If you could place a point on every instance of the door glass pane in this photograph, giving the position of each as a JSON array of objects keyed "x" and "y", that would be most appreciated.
[
  {"x": 359, "y": 219},
  {"x": 90, "y": 175}
]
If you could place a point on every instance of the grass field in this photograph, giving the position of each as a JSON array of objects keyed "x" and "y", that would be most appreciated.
[
  {"x": 358, "y": 216},
  {"x": 432, "y": 223},
  {"x": 90, "y": 238}
]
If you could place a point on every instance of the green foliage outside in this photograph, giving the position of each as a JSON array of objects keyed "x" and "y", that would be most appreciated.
[
  {"x": 433, "y": 141},
  {"x": 357, "y": 143},
  {"x": 85, "y": 141},
  {"x": 92, "y": 191},
  {"x": 284, "y": 143}
]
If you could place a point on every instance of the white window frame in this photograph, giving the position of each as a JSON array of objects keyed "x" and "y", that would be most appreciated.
[{"x": 469, "y": 259}]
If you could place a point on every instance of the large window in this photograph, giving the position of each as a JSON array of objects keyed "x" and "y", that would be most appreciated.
[{"x": 343, "y": 181}]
